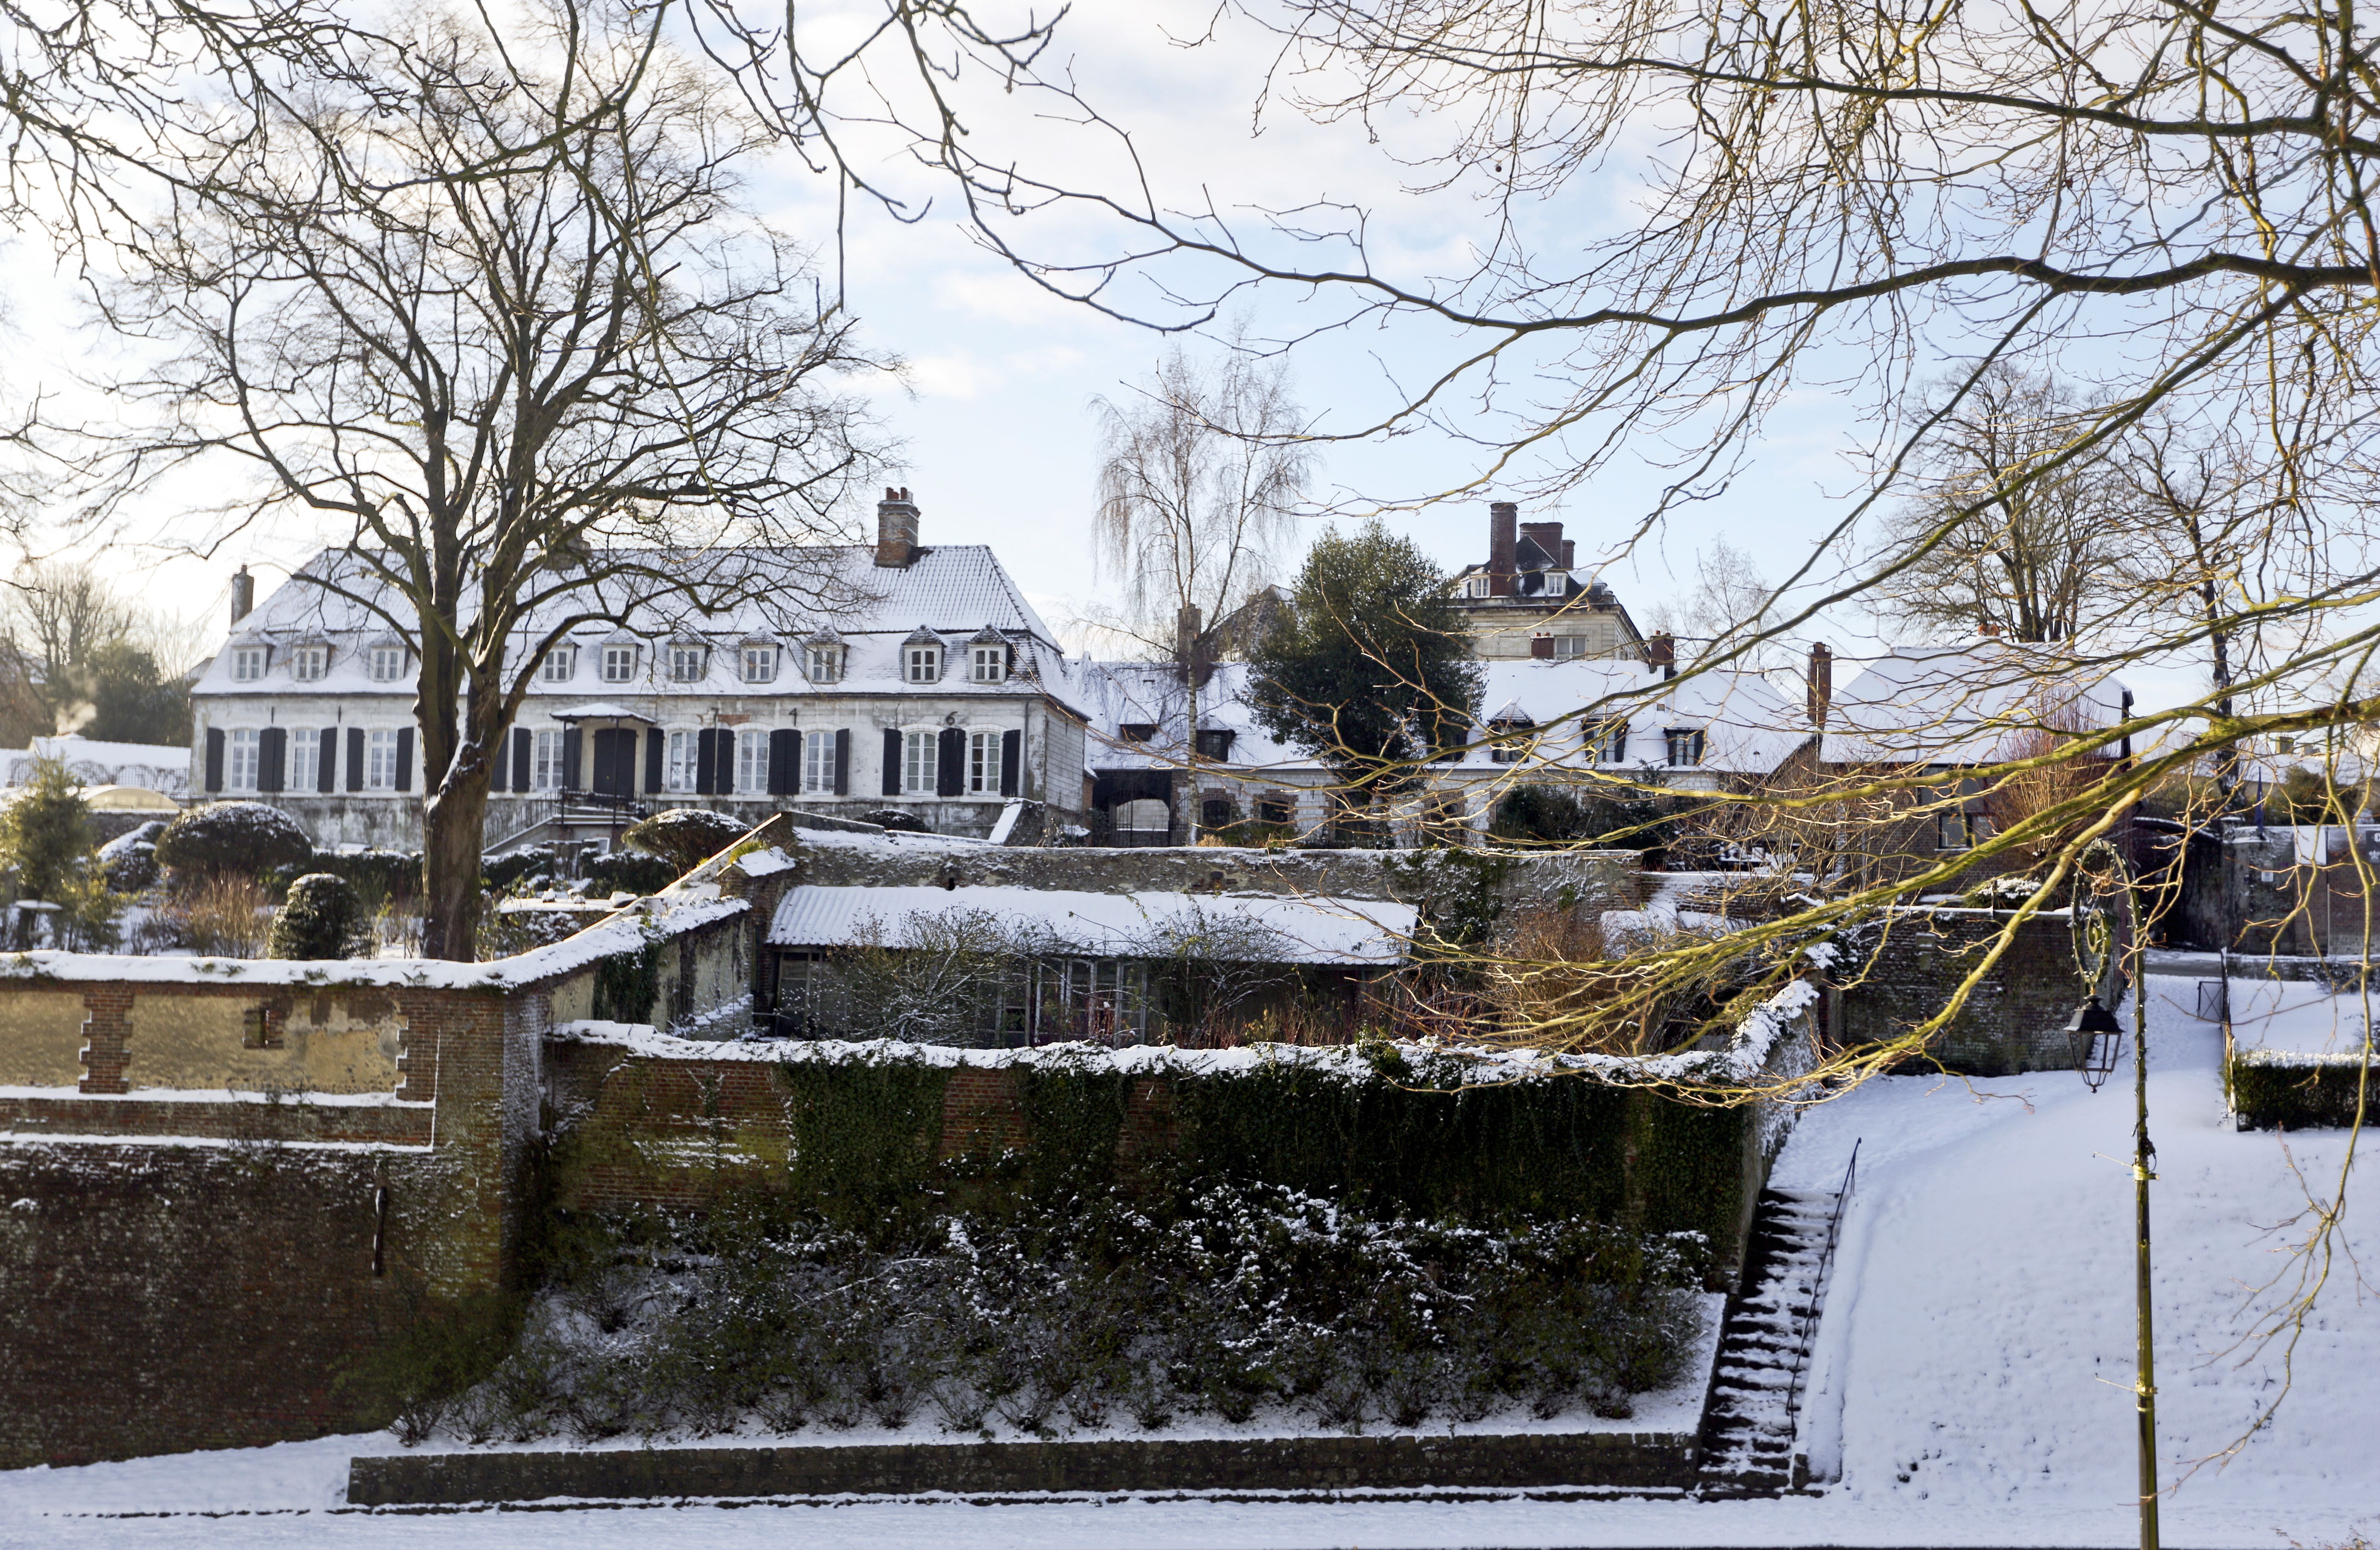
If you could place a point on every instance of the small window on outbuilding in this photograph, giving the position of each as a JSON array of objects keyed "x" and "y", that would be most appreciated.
[{"x": 1684, "y": 746}]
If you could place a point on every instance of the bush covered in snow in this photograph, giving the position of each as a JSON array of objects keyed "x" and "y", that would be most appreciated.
[
  {"x": 391, "y": 878},
  {"x": 530, "y": 864},
  {"x": 231, "y": 839},
  {"x": 1083, "y": 1312},
  {"x": 631, "y": 872},
  {"x": 45, "y": 836},
  {"x": 322, "y": 918},
  {"x": 129, "y": 860},
  {"x": 683, "y": 837}
]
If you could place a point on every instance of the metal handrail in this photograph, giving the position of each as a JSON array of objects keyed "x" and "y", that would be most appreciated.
[{"x": 1818, "y": 1284}]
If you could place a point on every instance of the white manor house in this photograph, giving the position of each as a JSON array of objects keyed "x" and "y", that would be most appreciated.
[{"x": 934, "y": 688}]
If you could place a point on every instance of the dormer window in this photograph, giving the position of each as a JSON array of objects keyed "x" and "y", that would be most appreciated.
[
  {"x": 561, "y": 665},
  {"x": 759, "y": 664},
  {"x": 1475, "y": 587},
  {"x": 822, "y": 662},
  {"x": 987, "y": 665},
  {"x": 1215, "y": 744},
  {"x": 921, "y": 663},
  {"x": 1137, "y": 731},
  {"x": 1685, "y": 746},
  {"x": 688, "y": 663},
  {"x": 387, "y": 664},
  {"x": 248, "y": 663},
  {"x": 1509, "y": 734},
  {"x": 1607, "y": 741},
  {"x": 308, "y": 663},
  {"x": 619, "y": 664}
]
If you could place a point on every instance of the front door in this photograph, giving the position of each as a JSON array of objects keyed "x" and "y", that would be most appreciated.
[{"x": 615, "y": 762}]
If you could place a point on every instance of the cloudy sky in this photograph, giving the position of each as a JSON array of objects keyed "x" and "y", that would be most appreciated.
[{"x": 994, "y": 410}]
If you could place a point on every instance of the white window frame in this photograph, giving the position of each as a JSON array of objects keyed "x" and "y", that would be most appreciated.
[
  {"x": 1607, "y": 741},
  {"x": 822, "y": 663},
  {"x": 545, "y": 758},
  {"x": 921, "y": 663},
  {"x": 817, "y": 763},
  {"x": 619, "y": 664},
  {"x": 308, "y": 664},
  {"x": 248, "y": 663},
  {"x": 677, "y": 769},
  {"x": 387, "y": 664},
  {"x": 751, "y": 762},
  {"x": 561, "y": 665},
  {"x": 688, "y": 664},
  {"x": 983, "y": 763},
  {"x": 380, "y": 760},
  {"x": 1568, "y": 648},
  {"x": 987, "y": 664},
  {"x": 1511, "y": 752},
  {"x": 921, "y": 757},
  {"x": 759, "y": 664},
  {"x": 305, "y": 771},
  {"x": 243, "y": 756}
]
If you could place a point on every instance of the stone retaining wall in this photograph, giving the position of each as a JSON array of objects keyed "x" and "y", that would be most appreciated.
[{"x": 1639, "y": 1460}]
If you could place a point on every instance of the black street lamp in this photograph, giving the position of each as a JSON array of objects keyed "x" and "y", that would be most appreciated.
[{"x": 2097, "y": 1036}]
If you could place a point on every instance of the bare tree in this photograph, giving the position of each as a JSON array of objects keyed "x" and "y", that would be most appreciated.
[
  {"x": 1729, "y": 599},
  {"x": 512, "y": 329},
  {"x": 2000, "y": 541},
  {"x": 1200, "y": 475}
]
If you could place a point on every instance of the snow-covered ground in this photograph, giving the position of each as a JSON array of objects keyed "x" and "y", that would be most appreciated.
[{"x": 1986, "y": 1273}]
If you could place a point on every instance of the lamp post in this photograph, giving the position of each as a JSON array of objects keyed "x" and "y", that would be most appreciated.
[{"x": 2096, "y": 1034}]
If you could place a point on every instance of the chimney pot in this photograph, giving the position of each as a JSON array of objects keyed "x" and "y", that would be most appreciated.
[
  {"x": 243, "y": 594},
  {"x": 896, "y": 528},
  {"x": 1542, "y": 647},
  {"x": 1503, "y": 535}
]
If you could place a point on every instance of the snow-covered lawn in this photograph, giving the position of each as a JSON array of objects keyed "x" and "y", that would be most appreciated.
[{"x": 1978, "y": 1342}]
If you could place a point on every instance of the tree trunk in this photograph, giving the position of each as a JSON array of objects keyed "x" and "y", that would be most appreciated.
[{"x": 454, "y": 826}]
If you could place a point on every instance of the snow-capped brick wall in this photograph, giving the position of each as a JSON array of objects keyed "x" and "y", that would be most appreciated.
[{"x": 1899, "y": 971}]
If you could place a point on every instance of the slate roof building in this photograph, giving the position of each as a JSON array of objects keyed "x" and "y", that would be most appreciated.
[
  {"x": 1525, "y": 600},
  {"x": 921, "y": 681}
]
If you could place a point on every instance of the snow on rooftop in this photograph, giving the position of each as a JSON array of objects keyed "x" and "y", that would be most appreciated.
[
  {"x": 1965, "y": 704},
  {"x": 1257, "y": 927}
]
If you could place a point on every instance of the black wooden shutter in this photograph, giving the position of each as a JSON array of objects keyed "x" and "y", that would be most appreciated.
[
  {"x": 355, "y": 758},
  {"x": 326, "y": 767},
  {"x": 1011, "y": 762},
  {"x": 842, "y": 762},
  {"x": 272, "y": 759},
  {"x": 520, "y": 747},
  {"x": 214, "y": 758},
  {"x": 784, "y": 762},
  {"x": 950, "y": 768},
  {"x": 891, "y": 763},
  {"x": 706, "y": 762},
  {"x": 573, "y": 743},
  {"x": 405, "y": 758},
  {"x": 656, "y": 745}
]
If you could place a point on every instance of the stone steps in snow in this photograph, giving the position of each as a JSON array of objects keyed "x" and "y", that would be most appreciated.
[{"x": 1749, "y": 1422}]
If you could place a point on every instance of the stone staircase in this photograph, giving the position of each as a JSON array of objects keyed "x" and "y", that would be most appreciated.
[{"x": 1746, "y": 1448}]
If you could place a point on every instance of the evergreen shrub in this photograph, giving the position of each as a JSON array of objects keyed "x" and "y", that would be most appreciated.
[
  {"x": 322, "y": 918},
  {"x": 2274, "y": 1092},
  {"x": 231, "y": 839},
  {"x": 631, "y": 872},
  {"x": 390, "y": 878},
  {"x": 129, "y": 860},
  {"x": 683, "y": 837},
  {"x": 45, "y": 832}
]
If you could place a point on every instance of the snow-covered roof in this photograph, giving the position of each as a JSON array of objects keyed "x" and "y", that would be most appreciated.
[
  {"x": 1269, "y": 928},
  {"x": 953, "y": 591},
  {"x": 1965, "y": 704},
  {"x": 149, "y": 767},
  {"x": 1749, "y": 727}
]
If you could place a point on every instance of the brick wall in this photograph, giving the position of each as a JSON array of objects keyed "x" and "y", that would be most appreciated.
[{"x": 2014, "y": 1020}]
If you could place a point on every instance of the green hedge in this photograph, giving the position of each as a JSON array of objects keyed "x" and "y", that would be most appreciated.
[
  {"x": 2309, "y": 1094},
  {"x": 1402, "y": 1142}
]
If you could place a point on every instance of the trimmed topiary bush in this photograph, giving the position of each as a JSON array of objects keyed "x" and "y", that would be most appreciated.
[
  {"x": 502, "y": 874},
  {"x": 631, "y": 872},
  {"x": 390, "y": 877},
  {"x": 129, "y": 860},
  {"x": 685, "y": 837},
  {"x": 231, "y": 839},
  {"x": 322, "y": 920}
]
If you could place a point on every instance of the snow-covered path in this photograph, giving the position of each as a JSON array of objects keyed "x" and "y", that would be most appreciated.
[{"x": 1985, "y": 1268}]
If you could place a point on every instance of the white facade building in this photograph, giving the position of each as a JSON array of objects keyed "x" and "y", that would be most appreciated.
[{"x": 927, "y": 684}]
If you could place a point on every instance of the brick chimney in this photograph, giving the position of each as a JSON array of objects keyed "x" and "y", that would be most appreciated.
[
  {"x": 1569, "y": 553},
  {"x": 1661, "y": 654},
  {"x": 1503, "y": 534},
  {"x": 1189, "y": 642},
  {"x": 243, "y": 594},
  {"x": 897, "y": 530},
  {"x": 1542, "y": 647},
  {"x": 1822, "y": 682}
]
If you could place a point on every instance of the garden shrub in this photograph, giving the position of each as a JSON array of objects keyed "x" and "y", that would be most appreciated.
[
  {"x": 129, "y": 860},
  {"x": 320, "y": 919},
  {"x": 231, "y": 839},
  {"x": 45, "y": 830},
  {"x": 683, "y": 837},
  {"x": 1092, "y": 1311},
  {"x": 381, "y": 879},
  {"x": 631, "y": 872},
  {"x": 2277, "y": 1089},
  {"x": 505, "y": 873}
]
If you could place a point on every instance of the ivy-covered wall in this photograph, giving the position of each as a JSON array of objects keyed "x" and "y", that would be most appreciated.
[
  {"x": 2271, "y": 1092},
  {"x": 885, "y": 1128}
]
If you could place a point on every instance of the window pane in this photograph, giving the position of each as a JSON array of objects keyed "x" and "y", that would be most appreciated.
[
  {"x": 545, "y": 762},
  {"x": 380, "y": 764},
  {"x": 305, "y": 758},
  {"x": 752, "y": 762},
  {"x": 917, "y": 768},
  {"x": 678, "y": 775},
  {"x": 817, "y": 762},
  {"x": 241, "y": 776},
  {"x": 983, "y": 761}
]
